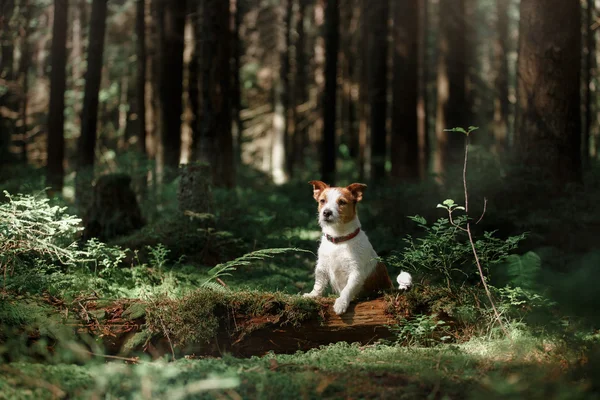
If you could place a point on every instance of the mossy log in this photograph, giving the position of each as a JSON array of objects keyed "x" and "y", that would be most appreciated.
[{"x": 125, "y": 329}]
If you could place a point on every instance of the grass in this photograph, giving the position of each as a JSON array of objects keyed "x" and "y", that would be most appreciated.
[
  {"x": 523, "y": 367},
  {"x": 42, "y": 357}
]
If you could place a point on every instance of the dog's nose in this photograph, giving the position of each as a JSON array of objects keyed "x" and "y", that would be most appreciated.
[{"x": 327, "y": 213}]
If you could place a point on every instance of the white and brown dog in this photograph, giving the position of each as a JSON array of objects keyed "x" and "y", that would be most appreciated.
[{"x": 346, "y": 259}]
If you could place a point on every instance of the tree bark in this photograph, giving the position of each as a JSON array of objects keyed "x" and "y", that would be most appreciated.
[
  {"x": 332, "y": 39},
  {"x": 501, "y": 102},
  {"x": 405, "y": 86},
  {"x": 236, "y": 48},
  {"x": 589, "y": 75},
  {"x": 452, "y": 105},
  {"x": 548, "y": 91},
  {"x": 281, "y": 103},
  {"x": 377, "y": 15},
  {"x": 24, "y": 64},
  {"x": 216, "y": 142},
  {"x": 172, "y": 22},
  {"x": 58, "y": 82},
  {"x": 140, "y": 86},
  {"x": 301, "y": 96}
]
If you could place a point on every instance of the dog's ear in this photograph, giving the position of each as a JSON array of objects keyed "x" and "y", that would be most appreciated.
[
  {"x": 357, "y": 190},
  {"x": 318, "y": 187}
]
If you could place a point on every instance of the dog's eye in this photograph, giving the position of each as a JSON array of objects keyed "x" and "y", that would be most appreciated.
[
  {"x": 342, "y": 202},
  {"x": 322, "y": 201}
]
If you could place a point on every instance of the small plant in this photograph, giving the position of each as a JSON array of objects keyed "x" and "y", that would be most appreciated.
[
  {"x": 450, "y": 207},
  {"x": 422, "y": 330},
  {"x": 444, "y": 249},
  {"x": 215, "y": 282},
  {"x": 31, "y": 228}
]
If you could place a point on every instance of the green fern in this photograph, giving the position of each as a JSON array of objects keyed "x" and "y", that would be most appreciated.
[
  {"x": 225, "y": 269},
  {"x": 522, "y": 270}
]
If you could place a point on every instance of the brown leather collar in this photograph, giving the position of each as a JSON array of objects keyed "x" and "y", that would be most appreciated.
[{"x": 341, "y": 239}]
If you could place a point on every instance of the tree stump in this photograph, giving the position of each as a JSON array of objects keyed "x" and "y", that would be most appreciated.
[
  {"x": 194, "y": 193},
  {"x": 114, "y": 210}
]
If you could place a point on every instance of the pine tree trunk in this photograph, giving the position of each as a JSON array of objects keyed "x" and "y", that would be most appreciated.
[
  {"x": 236, "y": 91},
  {"x": 332, "y": 38},
  {"x": 452, "y": 105},
  {"x": 7, "y": 125},
  {"x": 363, "y": 96},
  {"x": 24, "y": 65},
  {"x": 377, "y": 15},
  {"x": 216, "y": 142},
  {"x": 140, "y": 85},
  {"x": 549, "y": 68},
  {"x": 301, "y": 96},
  {"x": 172, "y": 21},
  {"x": 589, "y": 75},
  {"x": 405, "y": 86},
  {"x": 89, "y": 115},
  {"x": 280, "y": 99},
  {"x": 58, "y": 82},
  {"x": 423, "y": 101},
  {"x": 501, "y": 102}
]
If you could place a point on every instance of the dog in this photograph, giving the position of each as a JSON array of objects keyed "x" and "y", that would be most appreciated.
[{"x": 346, "y": 259}]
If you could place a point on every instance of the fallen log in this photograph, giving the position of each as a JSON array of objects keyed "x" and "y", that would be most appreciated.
[{"x": 280, "y": 323}]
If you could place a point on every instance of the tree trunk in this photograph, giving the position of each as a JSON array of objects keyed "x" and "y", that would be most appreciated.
[
  {"x": 452, "y": 105},
  {"x": 549, "y": 68},
  {"x": 589, "y": 75},
  {"x": 89, "y": 115},
  {"x": 140, "y": 86},
  {"x": 423, "y": 101},
  {"x": 58, "y": 82},
  {"x": 405, "y": 135},
  {"x": 363, "y": 92},
  {"x": 377, "y": 15},
  {"x": 236, "y": 91},
  {"x": 501, "y": 102},
  {"x": 24, "y": 64},
  {"x": 280, "y": 99},
  {"x": 172, "y": 21},
  {"x": 7, "y": 125},
  {"x": 301, "y": 96},
  {"x": 246, "y": 335},
  {"x": 216, "y": 142},
  {"x": 332, "y": 39}
]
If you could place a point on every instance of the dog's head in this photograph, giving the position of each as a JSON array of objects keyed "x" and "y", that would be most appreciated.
[{"x": 337, "y": 205}]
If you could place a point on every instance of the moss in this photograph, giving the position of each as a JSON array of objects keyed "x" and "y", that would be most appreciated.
[
  {"x": 136, "y": 341},
  {"x": 198, "y": 316},
  {"x": 135, "y": 311}
]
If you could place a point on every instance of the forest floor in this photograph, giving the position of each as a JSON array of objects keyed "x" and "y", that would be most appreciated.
[{"x": 55, "y": 336}]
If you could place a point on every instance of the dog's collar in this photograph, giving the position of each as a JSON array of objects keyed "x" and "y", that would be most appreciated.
[{"x": 341, "y": 239}]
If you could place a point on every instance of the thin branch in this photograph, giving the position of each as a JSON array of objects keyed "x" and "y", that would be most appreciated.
[
  {"x": 167, "y": 336},
  {"x": 132, "y": 360},
  {"x": 483, "y": 213},
  {"x": 454, "y": 224}
]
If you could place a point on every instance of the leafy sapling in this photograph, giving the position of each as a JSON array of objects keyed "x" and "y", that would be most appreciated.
[{"x": 451, "y": 207}]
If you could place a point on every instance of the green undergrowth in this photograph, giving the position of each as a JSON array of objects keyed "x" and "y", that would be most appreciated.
[{"x": 518, "y": 367}]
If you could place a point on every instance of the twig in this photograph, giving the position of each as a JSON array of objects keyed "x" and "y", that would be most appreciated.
[
  {"x": 483, "y": 213},
  {"x": 132, "y": 360},
  {"x": 167, "y": 336},
  {"x": 221, "y": 282}
]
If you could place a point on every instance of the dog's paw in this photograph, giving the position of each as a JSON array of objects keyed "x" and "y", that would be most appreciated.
[
  {"x": 340, "y": 306},
  {"x": 311, "y": 295}
]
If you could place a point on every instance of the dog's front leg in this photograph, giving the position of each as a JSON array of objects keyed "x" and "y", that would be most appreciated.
[
  {"x": 352, "y": 288},
  {"x": 321, "y": 280}
]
